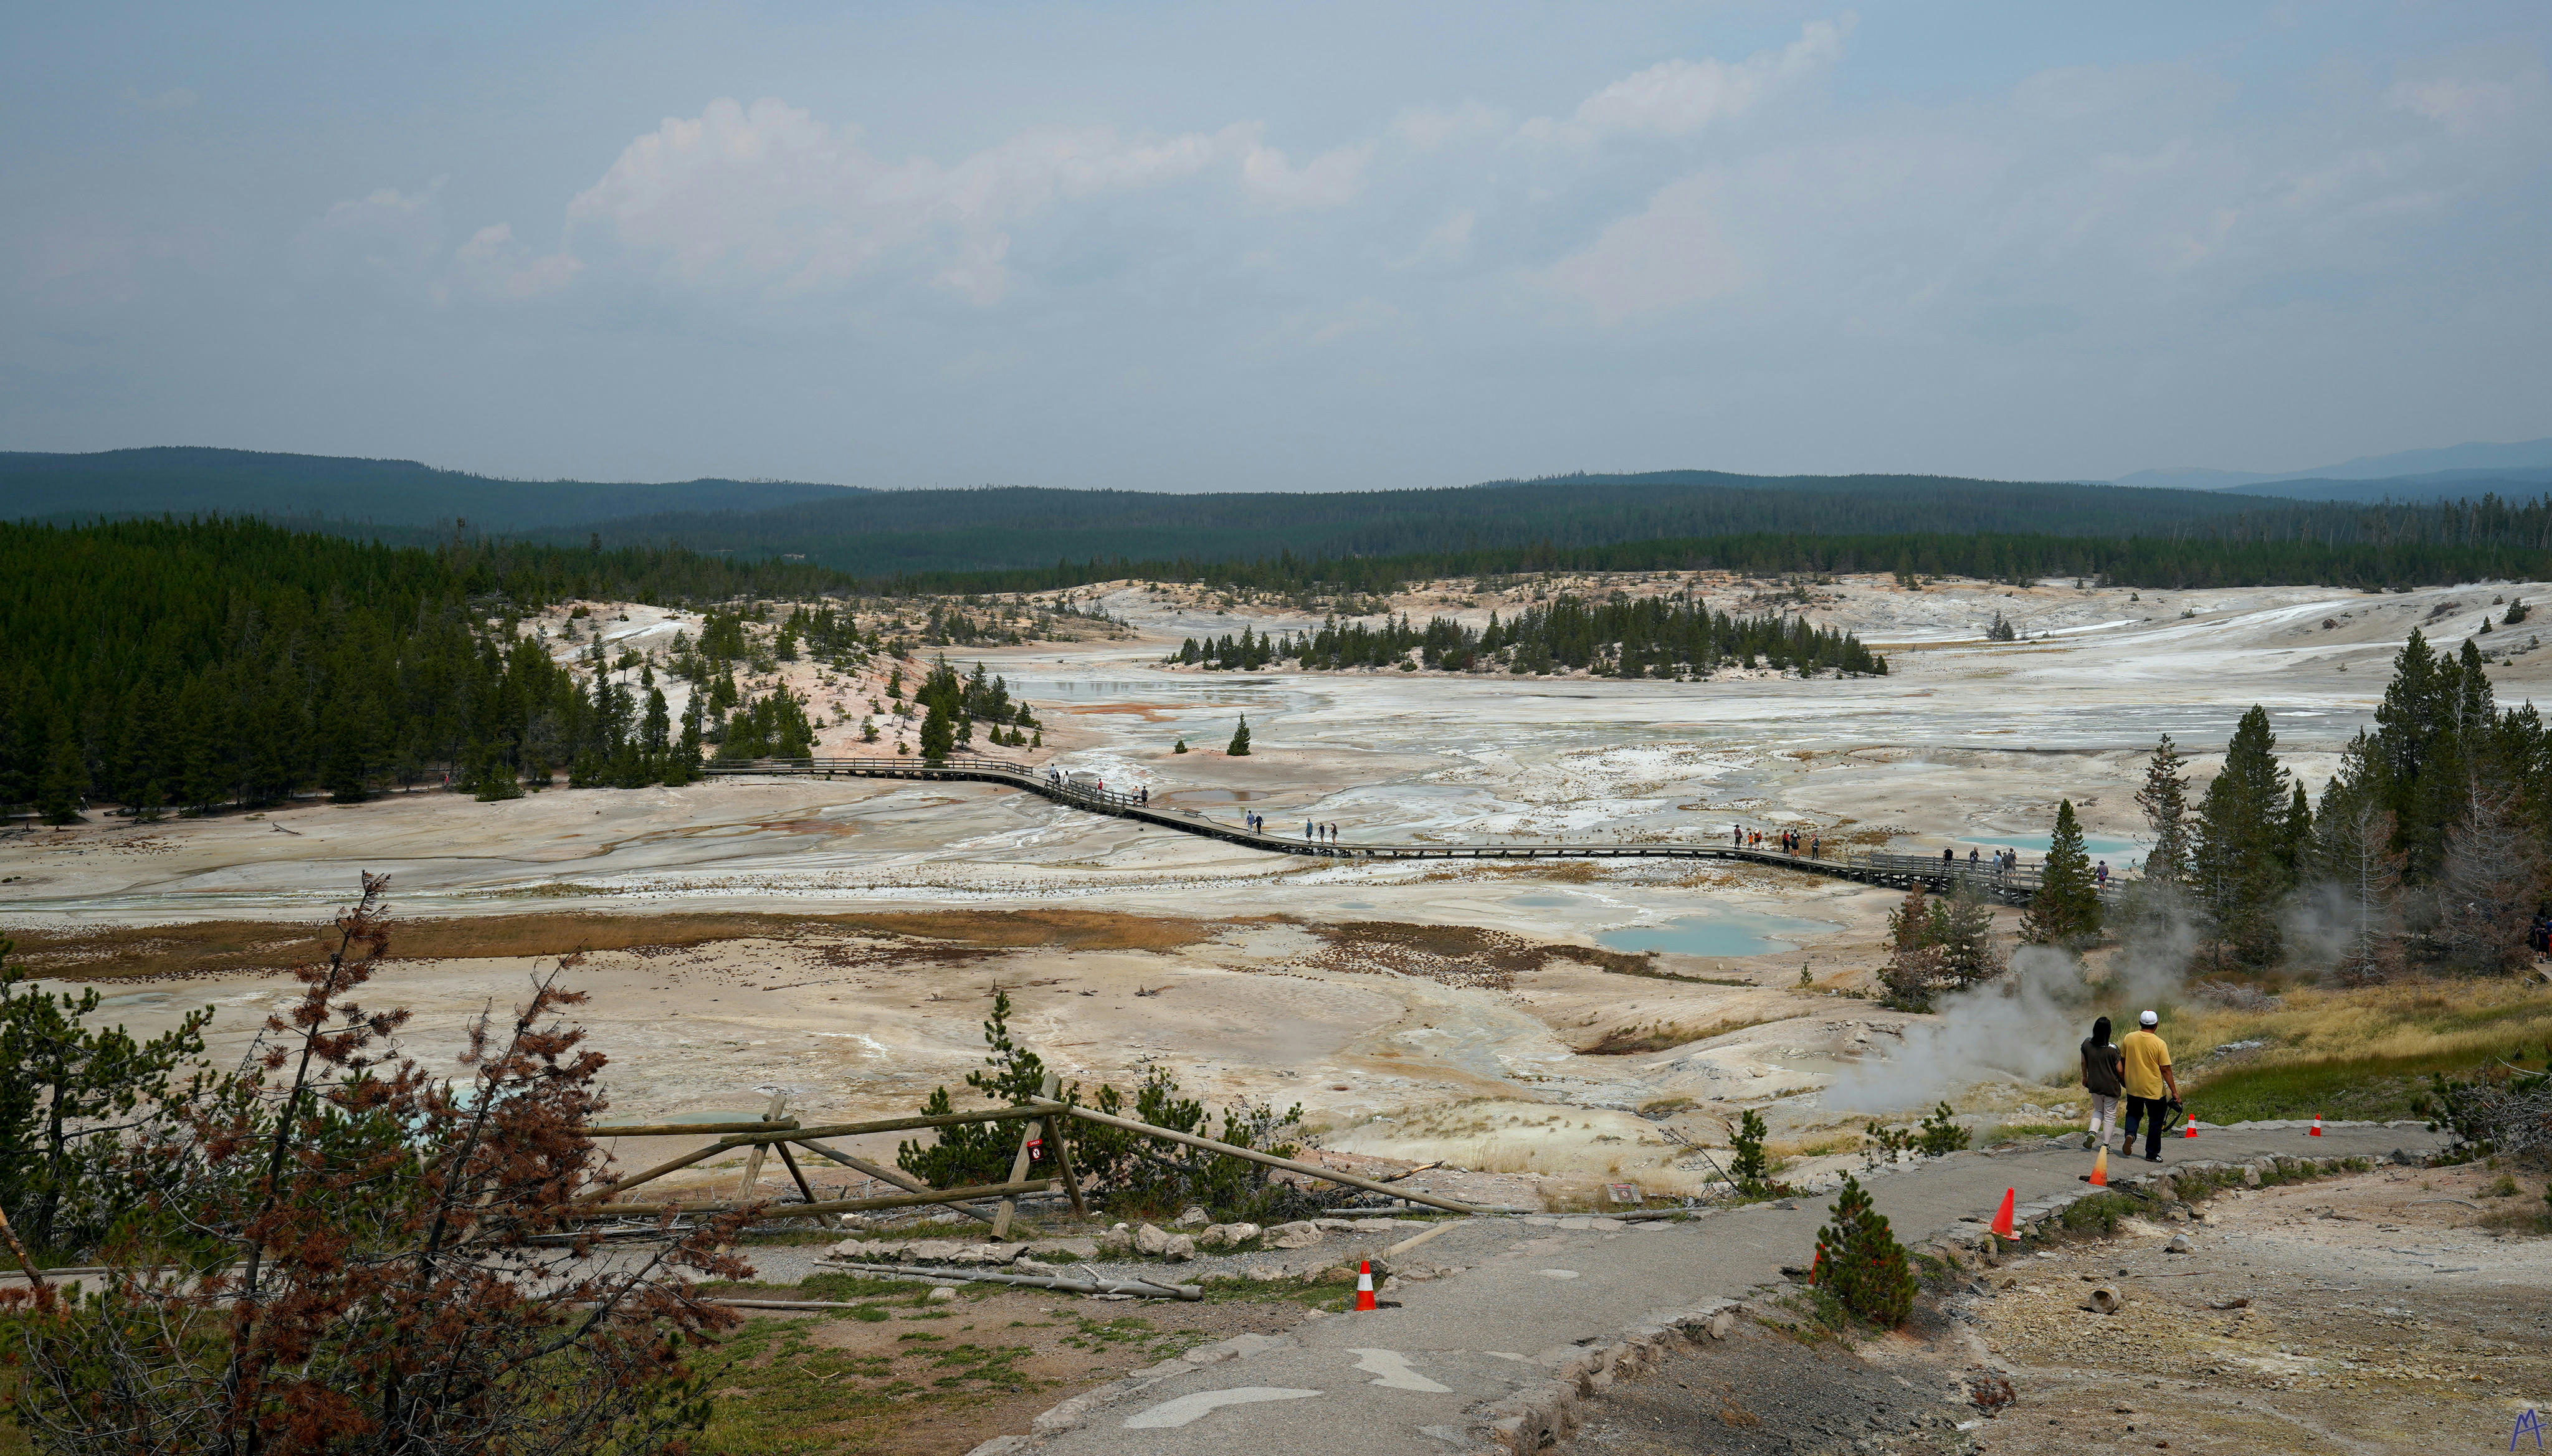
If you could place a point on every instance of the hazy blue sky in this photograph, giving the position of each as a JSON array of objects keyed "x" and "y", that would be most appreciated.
[{"x": 1184, "y": 246}]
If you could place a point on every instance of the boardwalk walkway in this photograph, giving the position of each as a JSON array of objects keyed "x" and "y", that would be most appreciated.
[{"x": 1899, "y": 872}]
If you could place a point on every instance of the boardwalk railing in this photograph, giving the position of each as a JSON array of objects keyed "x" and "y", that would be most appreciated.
[{"x": 1870, "y": 866}]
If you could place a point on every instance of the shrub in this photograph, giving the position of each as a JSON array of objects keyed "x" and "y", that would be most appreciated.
[
  {"x": 1750, "y": 1170},
  {"x": 1940, "y": 1135},
  {"x": 1860, "y": 1262}
]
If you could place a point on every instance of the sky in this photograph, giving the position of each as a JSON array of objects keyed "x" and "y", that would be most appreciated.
[{"x": 1297, "y": 246}]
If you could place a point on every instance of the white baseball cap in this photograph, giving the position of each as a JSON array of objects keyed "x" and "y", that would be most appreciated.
[{"x": 2148, "y": 1019}]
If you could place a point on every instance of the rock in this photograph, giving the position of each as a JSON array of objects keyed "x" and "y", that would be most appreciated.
[
  {"x": 1720, "y": 1324},
  {"x": 984, "y": 1255},
  {"x": 940, "y": 1296},
  {"x": 2250, "y": 1178},
  {"x": 1226, "y": 1235},
  {"x": 1296, "y": 1235},
  {"x": 1116, "y": 1240},
  {"x": 1077, "y": 1248},
  {"x": 2105, "y": 1301},
  {"x": 1266, "y": 1273},
  {"x": 1031, "y": 1266},
  {"x": 1195, "y": 1217},
  {"x": 1340, "y": 1225},
  {"x": 2178, "y": 1244},
  {"x": 1151, "y": 1240},
  {"x": 1178, "y": 1248},
  {"x": 1338, "y": 1274}
]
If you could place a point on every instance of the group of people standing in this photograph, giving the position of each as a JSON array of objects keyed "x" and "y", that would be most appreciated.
[
  {"x": 2137, "y": 1071},
  {"x": 1788, "y": 840},
  {"x": 1313, "y": 832}
]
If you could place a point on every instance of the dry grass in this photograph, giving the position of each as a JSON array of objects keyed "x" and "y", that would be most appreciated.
[
  {"x": 1658, "y": 1036},
  {"x": 2356, "y": 1053},
  {"x": 226, "y": 947},
  {"x": 1563, "y": 871},
  {"x": 1455, "y": 954}
]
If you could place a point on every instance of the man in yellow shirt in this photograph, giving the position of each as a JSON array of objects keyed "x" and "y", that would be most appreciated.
[{"x": 2147, "y": 1077}]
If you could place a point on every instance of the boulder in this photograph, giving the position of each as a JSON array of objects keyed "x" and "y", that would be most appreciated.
[
  {"x": 1226, "y": 1235},
  {"x": 1077, "y": 1248},
  {"x": 940, "y": 1296},
  {"x": 1178, "y": 1248},
  {"x": 1194, "y": 1217},
  {"x": 1117, "y": 1240},
  {"x": 1266, "y": 1273},
  {"x": 1300, "y": 1235},
  {"x": 1151, "y": 1240}
]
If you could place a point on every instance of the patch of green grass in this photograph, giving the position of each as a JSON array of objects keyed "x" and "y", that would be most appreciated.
[
  {"x": 778, "y": 1394},
  {"x": 2354, "y": 1088},
  {"x": 2015, "y": 1131}
]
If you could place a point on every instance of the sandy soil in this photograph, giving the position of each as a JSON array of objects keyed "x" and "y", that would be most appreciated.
[
  {"x": 2368, "y": 1313},
  {"x": 1311, "y": 986}
]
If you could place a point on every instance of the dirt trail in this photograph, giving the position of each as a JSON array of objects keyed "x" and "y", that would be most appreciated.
[{"x": 2374, "y": 1312}]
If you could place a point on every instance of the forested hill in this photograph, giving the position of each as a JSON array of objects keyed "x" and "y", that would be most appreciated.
[
  {"x": 909, "y": 531},
  {"x": 337, "y": 492}
]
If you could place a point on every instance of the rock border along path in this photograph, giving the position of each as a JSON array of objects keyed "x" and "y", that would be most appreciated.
[
  {"x": 1490, "y": 1352},
  {"x": 1898, "y": 872}
]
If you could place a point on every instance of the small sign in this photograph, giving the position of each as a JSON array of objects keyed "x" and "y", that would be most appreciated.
[
  {"x": 1625, "y": 1192},
  {"x": 1037, "y": 1150}
]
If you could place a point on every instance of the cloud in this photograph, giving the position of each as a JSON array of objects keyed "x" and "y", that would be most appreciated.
[
  {"x": 1679, "y": 98},
  {"x": 1670, "y": 255},
  {"x": 492, "y": 264},
  {"x": 768, "y": 196},
  {"x": 2457, "y": 103},
  {"x": 384, "y": 233},
  {"x": 1424, "y": 129},
  {"x": 1331, "y": 179}
]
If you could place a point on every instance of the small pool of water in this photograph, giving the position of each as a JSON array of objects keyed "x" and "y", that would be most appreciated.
[
  {"x": 1542, "y": 900},
  {"x": 1354, "y": 905},
  {"x": 2096, "y": 846},
  {"x": 1728, "y": 933}
]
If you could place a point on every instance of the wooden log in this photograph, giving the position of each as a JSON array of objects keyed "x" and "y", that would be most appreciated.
[
  {"x": 882, "y": 1124},
  {"x": 1062, "y": 1153},
  {"x": 673, "y": 1164},
  {"x": 1326, "y": 1174},
  {"x": 805, "y": 1189},
  {"x": 687, "y": 1129},
  {"x": 837, "y": 1206},
  {"x": 892, "y": 1177}
]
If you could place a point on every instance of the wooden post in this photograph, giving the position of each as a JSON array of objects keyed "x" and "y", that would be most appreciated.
[
  {"x": 753, "y": 1161},
  {"x": 1062, "y": 1155},
  {"x": 1018, "y": 1173},
  {"x": 803, "y": 1186}
]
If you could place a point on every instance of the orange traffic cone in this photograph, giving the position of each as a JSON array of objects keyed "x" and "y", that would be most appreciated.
[
  {"x": 2316, "y": 1128},
  {"x": 2193, "y": 1126},
  {"x": 2002, "y": 1215},
  {"x": 1364, "y": 1283},
  {"x": 2100, "y": 1168}
]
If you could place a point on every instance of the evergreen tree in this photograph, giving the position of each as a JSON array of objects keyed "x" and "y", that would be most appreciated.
[
  {"x": 1239, "y": 746},
  {"x": 2065, "y": 909},
  {"x": 2240, "y": 864},
  {"x": 938, "y": 732},
  {"x": 1860, "y": 1262},
  {"x": 971, "y": 1155},
  {"x": 64, "y": 780},
  {"x": 1913, "y": 971},
  {"x": 2165, "y": 801}
]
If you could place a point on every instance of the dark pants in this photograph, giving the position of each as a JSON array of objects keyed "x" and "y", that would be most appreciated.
[{"x": 2154, "y": 1114}]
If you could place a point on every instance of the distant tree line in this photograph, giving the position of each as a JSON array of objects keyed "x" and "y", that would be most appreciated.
[
  {"x": 1614, "y": 636},
  {"x": 2375, "y": 549},
  {"x": 188, "y": 664}
]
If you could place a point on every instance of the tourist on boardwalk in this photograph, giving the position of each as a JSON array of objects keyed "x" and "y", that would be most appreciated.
[
  {"x": 2147, "y": 1077},
  {"x": 1949, "y": 856},
  {"x": 1817, "y": 844},
  {"x": 2103, "y": 1068},
  {"x": 1737, "y": 836},
  {"x": 2100, "y": 875}
]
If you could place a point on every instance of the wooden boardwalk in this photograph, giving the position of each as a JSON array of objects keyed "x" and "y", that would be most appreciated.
[{"x": 1899, "y": 872}]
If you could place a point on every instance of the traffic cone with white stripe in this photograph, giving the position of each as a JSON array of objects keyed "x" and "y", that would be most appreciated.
[
  {"x": 2316, "y": 1128},
  {"x": 2100, "y": 1167},
  {"x": 1364, "y": 1283},
  {"x": 2193, "y": 1127}
]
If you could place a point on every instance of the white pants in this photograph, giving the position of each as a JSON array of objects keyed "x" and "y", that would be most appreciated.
[{"x": 2104, "y": 1116}]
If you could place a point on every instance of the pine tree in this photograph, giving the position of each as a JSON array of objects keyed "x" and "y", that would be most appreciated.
[
  {"x": 2065, "y": 909},
  {"x": 938, "y": 732},
  {"x": 2354, "y": 849},
  {"x": 1860, "y": 1262},
  {"x": 2165, "y": 801},
  {"x": 1240, "y": 748},
  {"x": 2240, "y": 869},
  {"x": 1913, "y": 971},
  {"x": 975, "y": 1154},
  {"x": 1962, "y": 932},
  {"x": 66, "y": 778}
]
